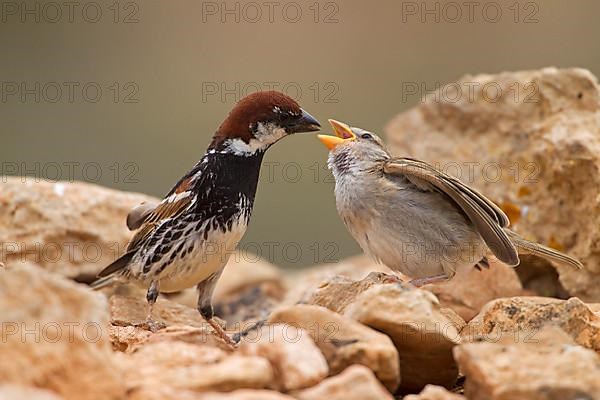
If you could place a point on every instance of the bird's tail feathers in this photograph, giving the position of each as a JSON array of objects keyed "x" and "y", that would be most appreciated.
[
  {"x": 536, "y": 249},
  {"x": 107, "y": 275},
  {"x": 102, "y": 282}
]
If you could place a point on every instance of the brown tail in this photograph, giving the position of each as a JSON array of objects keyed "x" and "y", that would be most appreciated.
[{"x": 536, "y": 249}]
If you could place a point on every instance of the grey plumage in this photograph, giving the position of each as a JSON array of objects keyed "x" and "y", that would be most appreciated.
[{"x": 414, "y": 218}]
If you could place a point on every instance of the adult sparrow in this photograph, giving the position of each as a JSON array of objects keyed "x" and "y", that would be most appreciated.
[
  {"x": 414, "y": 218},
  {"x": 187, "y": 238}
]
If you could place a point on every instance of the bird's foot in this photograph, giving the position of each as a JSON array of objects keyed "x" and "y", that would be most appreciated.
[
  {"x": 390, "y": 278},
  {"x": 419, "y": 282},
  {"x": 151, "y": 325},
  {"x": 482, "y": 264},
  {"x": 220, "y": 332}
]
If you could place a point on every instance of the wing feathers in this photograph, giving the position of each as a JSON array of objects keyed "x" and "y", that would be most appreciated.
[
  {"x": 542, "y": 251},
  {"x": 170, "y": 207},
  {"x": 117, "y": 265},
  {"x": 138, "y": 215},
  {"x": 487, "y": 218}
]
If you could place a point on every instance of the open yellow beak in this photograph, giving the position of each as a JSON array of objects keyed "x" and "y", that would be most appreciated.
[{"x": 342, "y": 132}]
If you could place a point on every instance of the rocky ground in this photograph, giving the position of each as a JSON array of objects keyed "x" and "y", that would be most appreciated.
[{"x": 344, "y": 331}]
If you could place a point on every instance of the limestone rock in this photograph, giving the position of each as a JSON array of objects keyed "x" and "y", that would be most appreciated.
[
  {"x": 55, "y": 337},
  {"x": 547, "y": 368},
  {"x": 128, "y": 310},
  {"x": 186, "y": 366},
  {"x": 454, "y": 318},
  {"x": 519, "y": 315},
  {"x": 13, "y": 392},
  {"x": 355, "y": 383},
  {"x": 127, "y": 338},
  {"x": 531, "y": 142},
  {"x": 432, "y": 392},
  {"x": 247, "y": 271},
  {"x": 167, "y": 393},
  {"x": 339, "y": 291},
  {"x": 301, "y": 285},
  {"x": 250, "y": 305},
  {"x": 413, "y": 320},
  {"x": 246, "y": 394},
  {"x": 296, "y": 361},
  {"x": 470, "y": 289},
  {"x": 71, "y": 228},
  {"x": 183, "y": 323},
  {"x": 344, "y": 342},
  {"x": 162, "y": 393}
]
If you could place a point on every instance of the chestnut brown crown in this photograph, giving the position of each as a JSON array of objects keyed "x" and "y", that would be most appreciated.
[{"x": 267, "y": 108}]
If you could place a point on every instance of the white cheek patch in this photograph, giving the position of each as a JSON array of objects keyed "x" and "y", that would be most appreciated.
[
  {"x": 266, "y": 135},
  {"x": 269, "y": 133}
]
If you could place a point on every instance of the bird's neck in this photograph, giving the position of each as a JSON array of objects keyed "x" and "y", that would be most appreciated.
[{"x": 237, "y": 172}]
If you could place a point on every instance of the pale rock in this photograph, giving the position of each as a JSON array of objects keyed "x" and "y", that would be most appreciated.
[
  {"x": 550, "y": 366},
  {"x": 14, "y": 392},
  {"x": 301, "y": 285},
  {"x": 245, "y": 271},
  {"x": 432, "y": 392},
  {"x": 337, "y": 292},
  {"x": 344, "y": 342},
  {"x": 454, "y": 318},
  {"x": 296, "y": 361},
  {"x": 470, "y": 289},
  {"x": 162, "y": 393},
  {"x": 55, "y": 336},
  {"x": 185, "y": 366},
  {"x": 246, "y": 394},
  {"x": 167, "y": 393},
  {"x": 534, "y": 150},
  {"x": 127, "y": 338},
  {"x": 413, "y": 320},
  {"x": 520, "y": 315},
  {"x": 182, "y": 323},
  {"x": 127, "y": 310},
  {"x": 250, "y": 305},
  {"x": 355, "y": 383},
  {"x": 71, "y": 228}
]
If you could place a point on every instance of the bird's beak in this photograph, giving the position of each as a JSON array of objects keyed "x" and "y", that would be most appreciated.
[
  {"x": 343, "y": 133},
  {"x": 305, "y": 123}
]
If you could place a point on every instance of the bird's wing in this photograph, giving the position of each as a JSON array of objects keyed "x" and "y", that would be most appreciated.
[
  {"x": 138, "y": 215},
  {"x": 147, "y": 221},
  {"x": 170, "y": 207},
  {"x": 147, "y": 216},
  {"x": 487, "y": 218}
]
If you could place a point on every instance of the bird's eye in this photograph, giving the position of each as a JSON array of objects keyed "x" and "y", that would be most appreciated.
[{"x": 366, "y": 136}]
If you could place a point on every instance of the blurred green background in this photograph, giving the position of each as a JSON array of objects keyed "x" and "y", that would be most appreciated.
[{"x": 128, "y": 94}]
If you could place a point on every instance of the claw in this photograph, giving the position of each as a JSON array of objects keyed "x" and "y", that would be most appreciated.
[
  {"x": 221, "y": 333},
  {"x": 151, "y": 325},
  {"x": 418, "y": 282},
  {"x": 482, "y": 264}
]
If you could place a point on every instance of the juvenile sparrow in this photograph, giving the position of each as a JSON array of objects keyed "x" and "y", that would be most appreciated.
[
  {"x": 414, "y": 218},
  {"x": 188, "y": 237}
]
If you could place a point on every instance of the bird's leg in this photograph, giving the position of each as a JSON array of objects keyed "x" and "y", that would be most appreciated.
[
  {"x": 208, "y": 315},
  {"x": 418, "y": 282},
  {"x": 205, "y": 291},
  {"x": 151, "y": 297}
]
